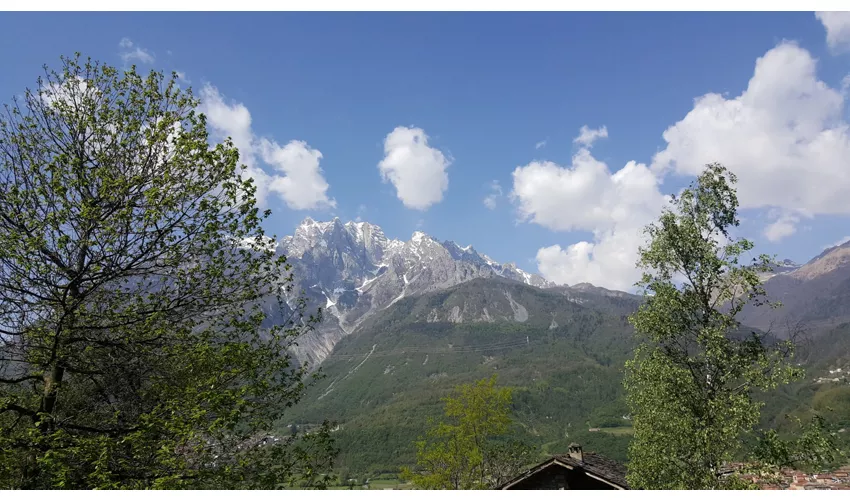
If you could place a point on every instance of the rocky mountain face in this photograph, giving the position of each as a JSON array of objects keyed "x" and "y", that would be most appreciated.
[
  {"x": 814, "y": 296},
  {"x": 497, "y": 300},
  {"x": 783, "y": 267},
  {"x": 352, "y": 270}
]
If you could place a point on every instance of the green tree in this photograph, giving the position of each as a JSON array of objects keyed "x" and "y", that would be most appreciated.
[
  {"x": 144, "y": 332},
  {"x": 465, "y": 452},
  {"x": 815, "y": 447},
  {"x": 691, "y": 384}
]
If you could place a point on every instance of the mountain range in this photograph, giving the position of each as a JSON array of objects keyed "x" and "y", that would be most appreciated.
[
  {"x": 405, "y": 321},
  {"x": 814, "y": 296},
  {"x": 352, "y": 270}
]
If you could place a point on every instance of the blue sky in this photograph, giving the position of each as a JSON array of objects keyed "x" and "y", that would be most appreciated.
[{"x": 487, "y": 88}]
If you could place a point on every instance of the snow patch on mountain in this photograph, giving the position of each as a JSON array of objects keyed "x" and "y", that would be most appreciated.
[{"x": 353, "y": 270}]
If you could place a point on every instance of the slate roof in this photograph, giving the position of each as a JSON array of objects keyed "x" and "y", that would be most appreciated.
[{"x": 592, "y": 463}]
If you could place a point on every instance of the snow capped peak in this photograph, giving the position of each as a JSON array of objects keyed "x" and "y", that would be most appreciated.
[
  {"x": 361, "y": 229},
  {"x": 310, "y": 226},
  {"x": 394, "y": 244},
  {"x": 356, "y": 229},
  {"x": 466, "y": 249},
  {"x": 361, "y": 248},
  {"x": 419, "y": 236},
  {"x": 354, "y": 270}
]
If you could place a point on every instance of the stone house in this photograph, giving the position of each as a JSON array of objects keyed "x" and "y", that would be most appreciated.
[{"x": 577, "y": 470}]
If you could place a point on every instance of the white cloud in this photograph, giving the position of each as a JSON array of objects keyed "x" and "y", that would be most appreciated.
[
  {"x": 540, "y": 144},
  {"x": 495, "y": 193},
  {"x": 587, "y": 136},
  {"x": 785, "y": 138},
  {"x": 302, "y": 185},
  {"x": 784, "y": 225},
  {"x": 417, "y": 170},
  {"x": 134, "y": 52},
  {"x": 229, "y": 120},
  {"x": 837, "y": 26},
  {"x": 586, "y": 196},
  {"x": 181, "y": 76},
  {"x": 66, "y": 92},
  {"x": 608, "y": 262}
]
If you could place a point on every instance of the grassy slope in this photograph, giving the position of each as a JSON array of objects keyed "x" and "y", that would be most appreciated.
[{"x": 566, "y": 380}]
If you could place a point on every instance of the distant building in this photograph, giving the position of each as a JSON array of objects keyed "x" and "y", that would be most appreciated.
[
  {"x": 576, "y": 470},
  {"x": 790, "y": 479}
]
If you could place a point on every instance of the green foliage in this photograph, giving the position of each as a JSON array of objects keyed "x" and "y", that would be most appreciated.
[
  {"x": 813, "y": 449},
  {"x": 461, "y": 454},
  {"x": 564, "y": 380},
  {"x": 691, "y": 384},
  {"x": 134, "y": 283}
]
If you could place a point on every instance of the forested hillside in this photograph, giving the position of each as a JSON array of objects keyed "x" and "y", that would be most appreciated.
[{"x": 564, "y": 362}]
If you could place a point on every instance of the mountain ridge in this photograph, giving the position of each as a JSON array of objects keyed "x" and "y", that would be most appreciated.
[
  {"x": 815, "y": 296},
  {"x": 352, "y": 270}
]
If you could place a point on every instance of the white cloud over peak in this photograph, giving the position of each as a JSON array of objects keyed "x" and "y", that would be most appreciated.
[
  {"x": 133, "y": 52},
  {"x": 495, "y": 193},
  {"x": 300, "y": 183},
  {"x": 417, "y": 170},
  {"x": 587, "y": 136},
  {"x": 784, "y": 225},
  {"x": 837, "y": 26},
  {"x": 784, "y": 137},
  {"x": 303, "y": 187},
  {"x": 587, "y": 196}
]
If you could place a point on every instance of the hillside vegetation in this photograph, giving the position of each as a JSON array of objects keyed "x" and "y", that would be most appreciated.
[{"x": 383, "y": 383}]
